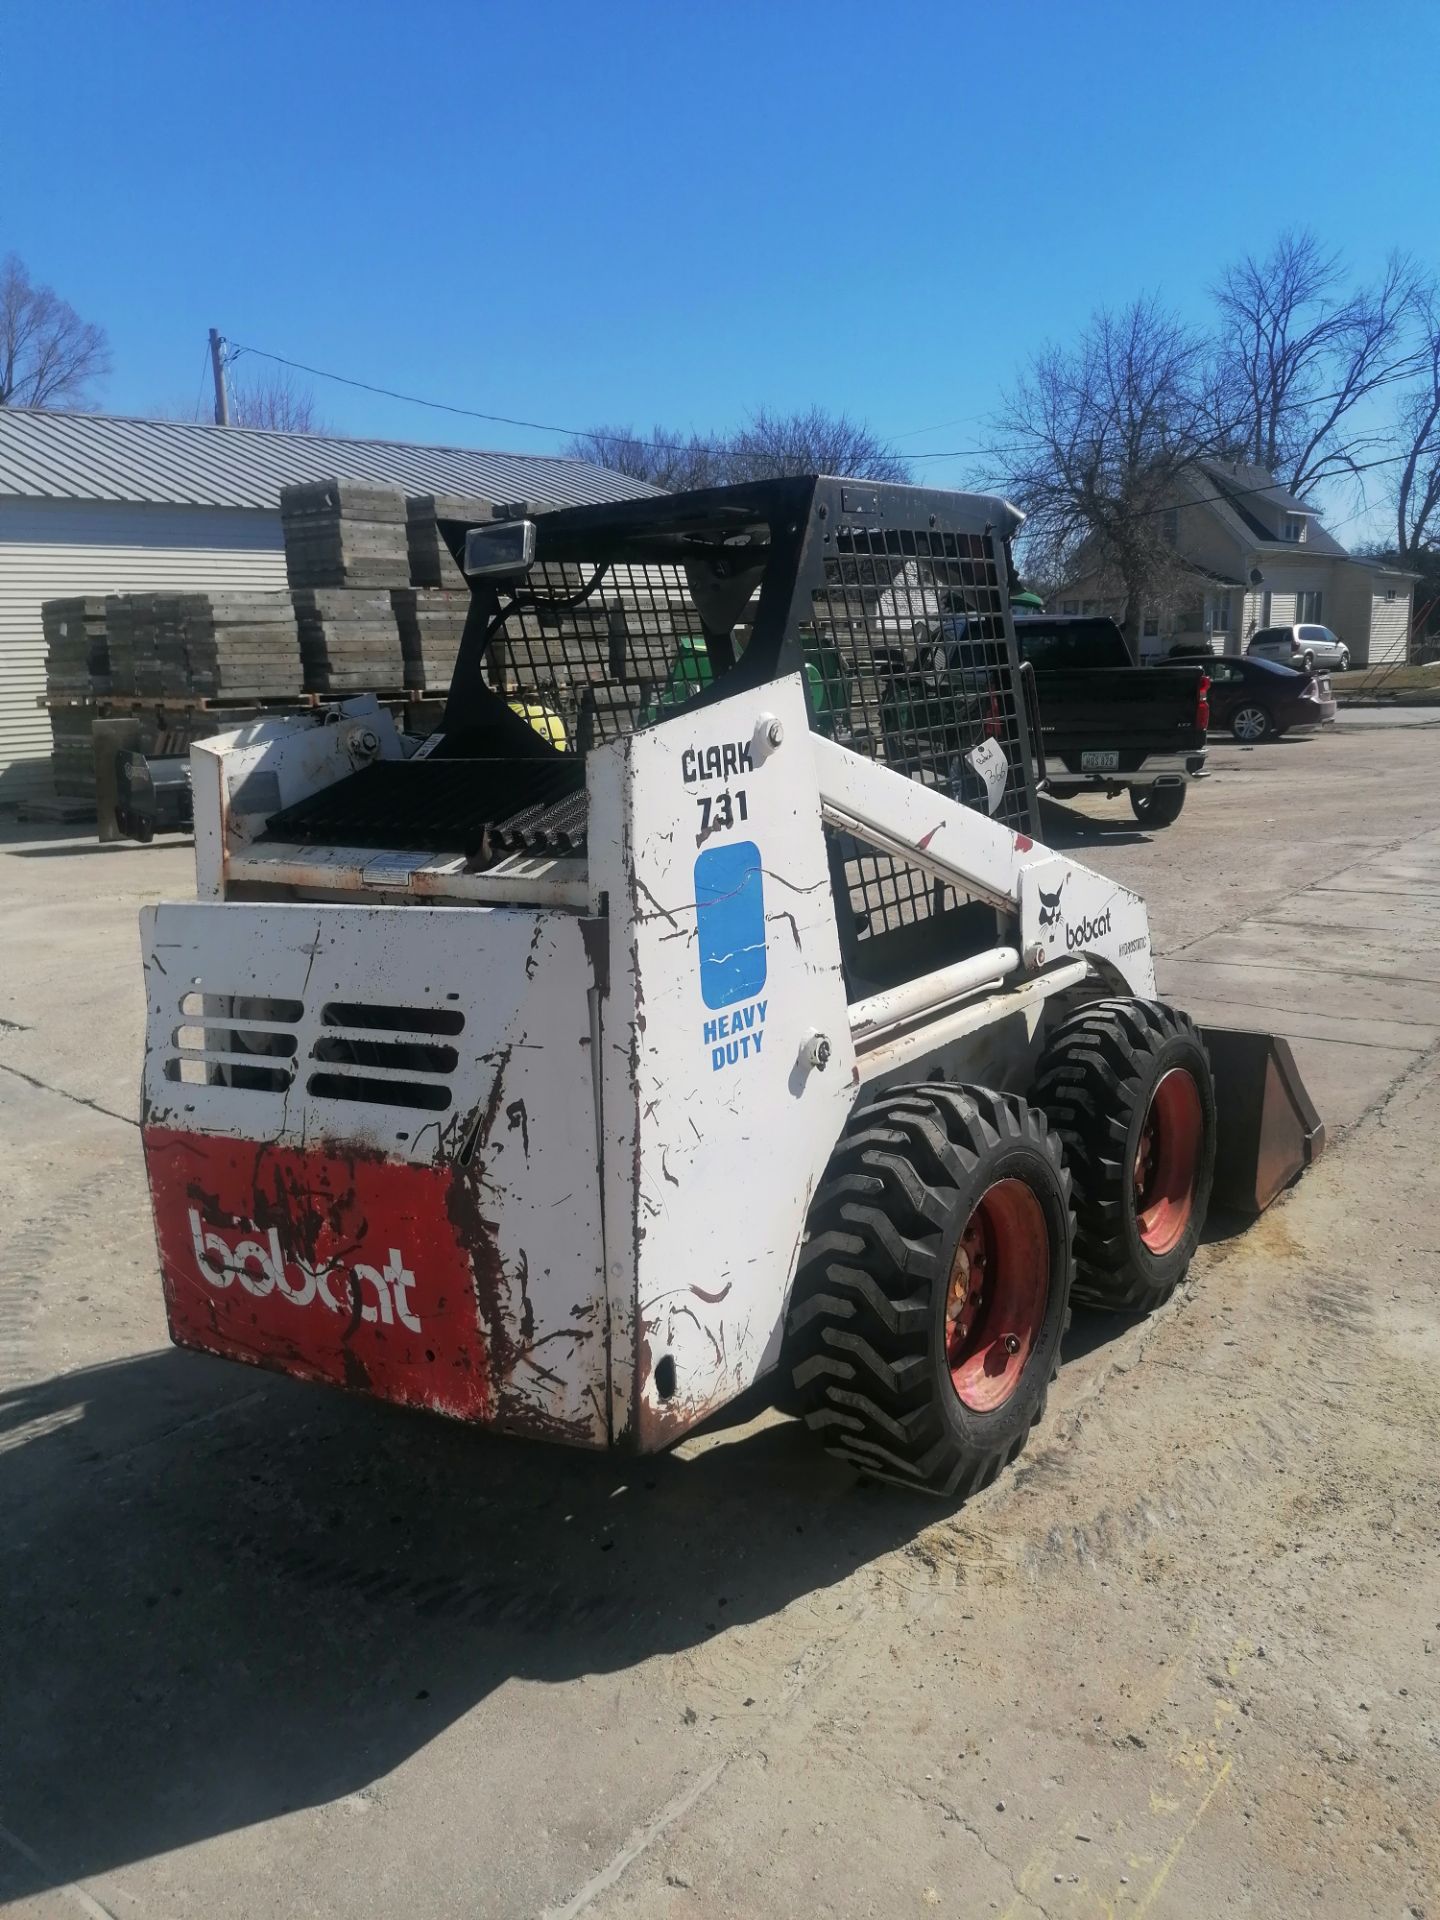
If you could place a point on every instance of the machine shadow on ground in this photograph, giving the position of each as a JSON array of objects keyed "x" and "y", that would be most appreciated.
[
  {"x": 275, "y": 1594},
  {"x": 252, "y": 1596},
  {"x": 98, "y": 849}
]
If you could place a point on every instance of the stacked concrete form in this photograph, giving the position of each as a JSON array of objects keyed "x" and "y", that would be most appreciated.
[
  {"x": 146, "y": 643},
  {"x": 72, "y": 753},
  {"x": 344, "y": 533},
  {"x": 241, "y": 646},
  {"x": 77, "y": 660},
  {"x": 349, "y": 640},
  {"x": 176, "y": 646},
  {"x": 431, "y": 564},
  {"x": 431, "y": 622}
]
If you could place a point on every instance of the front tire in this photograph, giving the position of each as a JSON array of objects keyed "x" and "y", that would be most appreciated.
[
  {"x": 1250, "y": 725},
  {"x": 933, "y": 1290},
  {"x": 1157, "y": 806},
  {"x": 1126, "y": 1086},
  {"x": 1344, "y": 666}
]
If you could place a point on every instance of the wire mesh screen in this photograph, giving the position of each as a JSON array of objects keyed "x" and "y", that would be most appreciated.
[
  {"x": 908, "y": 663},
  {"x": 594, "y": 652}
]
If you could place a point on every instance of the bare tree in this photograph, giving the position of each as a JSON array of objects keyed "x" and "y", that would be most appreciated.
[
  {"x": 770, "y": 445},
  {"x": 666, "y": 459},
  {"x": 814, "y": 441},
  {"x": 1098, "y": 437},
  {"x": 276, "y": 401},
  {"x": 1417, "y": 483},
  {"x": 49, "y": 356},
  {"x": 1299, "y": 353}
]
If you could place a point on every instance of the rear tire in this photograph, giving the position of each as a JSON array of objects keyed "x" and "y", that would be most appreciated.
[
  {"x": 1157, "y": 806},
  {"x": 933, "y": 1289},
  {"x": 1251, "y": 724},
  {"x": 1126, "y": 1086}
]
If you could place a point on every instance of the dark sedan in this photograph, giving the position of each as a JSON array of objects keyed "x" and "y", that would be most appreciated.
[{"x": 1259, "y": 700}]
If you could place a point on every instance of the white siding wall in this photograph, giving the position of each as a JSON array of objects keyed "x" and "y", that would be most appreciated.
[
  {"x": 1282, "y": 608},
  {"x": 1389, "y": 626},
  {"x": 1283, "y": 583},
  {"x": 1349, "y": 612},
  {"x": 1252, "y": 618},
  {"x": 52, "y": 547}
]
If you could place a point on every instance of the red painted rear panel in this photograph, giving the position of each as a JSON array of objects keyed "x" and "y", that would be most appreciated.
[{"x": 344, "y": 1267}]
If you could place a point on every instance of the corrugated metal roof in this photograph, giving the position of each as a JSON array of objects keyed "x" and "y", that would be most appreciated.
[{"x": 82, "y": 456}]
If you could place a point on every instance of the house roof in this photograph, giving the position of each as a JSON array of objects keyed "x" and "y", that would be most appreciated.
[
  {"x": 1210, "y": 574},
  {"x": 1240, "y": 486},
  {"x": 79, "y": 456}
]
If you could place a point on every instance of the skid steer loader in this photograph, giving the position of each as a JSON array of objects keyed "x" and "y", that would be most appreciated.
[{"x": 698, "y": 1001}]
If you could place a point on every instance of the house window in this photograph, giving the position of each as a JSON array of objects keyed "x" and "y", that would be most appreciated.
[
  {"x": 1170, "y": 526},
  {"x": 1069, "y": 606},
  {"x": 1151, "y": 627},
  {"x": 1294, "y": 527},
  {"x": 1307, "y": 606},
  {"x": 1220, "y": 614}
]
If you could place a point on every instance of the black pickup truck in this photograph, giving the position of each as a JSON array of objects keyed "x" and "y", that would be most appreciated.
[{"x": 1108, "y": 726}]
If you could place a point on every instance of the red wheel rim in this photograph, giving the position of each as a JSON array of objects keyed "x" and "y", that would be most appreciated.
[
  {"x": 998, "y": 1291},
  {"x": 1167, "y": 1160}
]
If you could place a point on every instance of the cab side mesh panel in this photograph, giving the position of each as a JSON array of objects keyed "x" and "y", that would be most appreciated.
[
  {"x": 908, "y": 663},
  {"x": 603, "y": 649}
]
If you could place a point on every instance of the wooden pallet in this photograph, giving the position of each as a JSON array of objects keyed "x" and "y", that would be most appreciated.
[
  {"x": 118, "y": 703},
  {"x": 185, "y": 702}
]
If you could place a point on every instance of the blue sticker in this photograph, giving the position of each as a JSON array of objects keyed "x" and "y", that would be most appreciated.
[{"x": 730, "y": 919}]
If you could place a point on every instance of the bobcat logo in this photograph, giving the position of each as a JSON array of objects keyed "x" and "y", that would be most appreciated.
[{"x": 1050, "y": 904}]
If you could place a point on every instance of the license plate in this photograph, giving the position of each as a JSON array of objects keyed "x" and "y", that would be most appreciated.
[{"x": 1105, "y": 762}]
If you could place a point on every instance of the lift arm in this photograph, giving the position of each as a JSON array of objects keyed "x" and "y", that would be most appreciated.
[{"x": 1062, "y": 910}]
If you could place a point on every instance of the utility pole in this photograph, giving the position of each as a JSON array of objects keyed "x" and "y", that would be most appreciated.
[{"x": 222, "y": 396}]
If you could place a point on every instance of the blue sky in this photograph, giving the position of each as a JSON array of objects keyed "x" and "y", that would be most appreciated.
[{"x": 637, "y": 212}]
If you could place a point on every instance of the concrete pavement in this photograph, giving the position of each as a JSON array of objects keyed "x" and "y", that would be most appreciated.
[
  {"x": 273, "y": 1650},
  {"x": 1362, "y": 717}
]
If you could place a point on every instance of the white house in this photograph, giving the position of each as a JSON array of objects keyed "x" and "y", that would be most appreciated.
[
  {"x": 1259, "y": 557},
  {"x": 90, "y": 504}
]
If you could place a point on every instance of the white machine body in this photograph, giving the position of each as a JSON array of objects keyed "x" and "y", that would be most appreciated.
[{"x": 534, "y": 1146}]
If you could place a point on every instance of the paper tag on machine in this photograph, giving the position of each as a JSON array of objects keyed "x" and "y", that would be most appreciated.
[{"x": 988, "y": 760}]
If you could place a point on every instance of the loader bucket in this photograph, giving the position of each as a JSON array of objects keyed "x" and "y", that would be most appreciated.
[{"x": 1267, "y": 1129}]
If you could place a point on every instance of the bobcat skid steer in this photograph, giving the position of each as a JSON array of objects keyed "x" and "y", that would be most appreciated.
[{"x": 697, "y": 1001}]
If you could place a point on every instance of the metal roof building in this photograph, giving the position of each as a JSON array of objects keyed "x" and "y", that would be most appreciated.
[{"x": 91, "y": 504}]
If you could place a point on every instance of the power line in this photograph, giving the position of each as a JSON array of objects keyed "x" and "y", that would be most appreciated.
[
  {"x": 204, "y": 369},
  {"x": 544, "y": 426},
  {"x": 729, "y": 453},
  {"x": 672, "y": 446}
]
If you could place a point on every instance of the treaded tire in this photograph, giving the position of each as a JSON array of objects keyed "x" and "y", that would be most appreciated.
[
  {"x": 1157, "y": 806},
  {"x": 1097, "y": 1079},
  {"x": 868, "y": 1323}
]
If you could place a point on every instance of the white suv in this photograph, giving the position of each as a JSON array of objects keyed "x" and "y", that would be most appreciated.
[{"x": 1301, "y": 647}]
